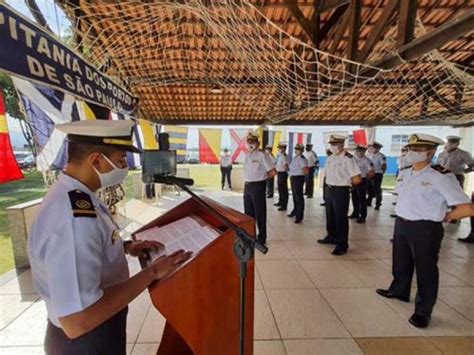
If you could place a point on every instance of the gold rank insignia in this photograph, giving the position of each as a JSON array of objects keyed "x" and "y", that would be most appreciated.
[
  {"x": 115, "y": 236},
  {"x": 81, "y": 204}
]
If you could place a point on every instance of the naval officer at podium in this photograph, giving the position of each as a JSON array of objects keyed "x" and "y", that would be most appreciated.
[
  {"x": 75, "y": 250},
  {"x": 258, "y": 167}
]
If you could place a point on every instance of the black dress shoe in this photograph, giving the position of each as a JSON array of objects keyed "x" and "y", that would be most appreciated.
[
  {"x": 298, "y": 221},
  {"x": 353, "y": 216},
  {"x": 419, "y": 321},
  {"x": 393, "y": 215},
  {"x": 276, "y": 204},
  {"x": 339, "y": 252},
  {"x": 269, "y": 196},
  {"x": 323, "y": 204},
  {"x": 377, "y": 208},
  {"x": 468, "y": 239},
  {"x": 290, "y": 215},
  {"x": 361, "y": 220},
  {"x": 326, "y": 240},
  {"x": 281, "y": 208},
  {"x": 309, "y": 196},
  {"x": 389, "y": 294}
]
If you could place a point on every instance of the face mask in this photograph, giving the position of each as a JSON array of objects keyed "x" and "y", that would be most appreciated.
[
  {"x": 298, "y": 152},
  {"x": 113, "y": 177},
  {"x": 334, "y": 149},
  {"x": 413, "y": 157},
  {"x": 360, "y": 153},
  {"x": 251, "y": 146}
]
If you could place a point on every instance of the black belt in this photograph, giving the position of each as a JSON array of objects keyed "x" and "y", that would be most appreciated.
[
  {"x": 254, "y": 182},
  {"x": 418, "y": 221},
  {"x": 337, "y": 187}
]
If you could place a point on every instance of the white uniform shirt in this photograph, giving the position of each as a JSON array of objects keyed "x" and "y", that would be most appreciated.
[
  {"x": 73, "y": 259},
  {"x": 340, "y": 169},
  {"x": 455, "y": 161},
  {"x": 365, "y": 165},
  {"x": 426, "y": 194},
  {"x": 256, "y": 166},
  {"x": 282, "y": 162},
  {"x": 298, "y": 163},
  {"x": 378, "y": 159},
  {"x": 226, "y": 160},
  {"x": 311, "y": 157}
]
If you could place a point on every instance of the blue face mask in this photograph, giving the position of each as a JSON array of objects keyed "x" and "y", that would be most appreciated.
[{"x": 113, "y": 177}]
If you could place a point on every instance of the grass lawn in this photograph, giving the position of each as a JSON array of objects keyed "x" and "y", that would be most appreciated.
[{"x": 32, "y": 187}]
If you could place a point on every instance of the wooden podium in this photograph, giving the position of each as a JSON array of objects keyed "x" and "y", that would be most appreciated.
[{"x": 201, "y": 301}]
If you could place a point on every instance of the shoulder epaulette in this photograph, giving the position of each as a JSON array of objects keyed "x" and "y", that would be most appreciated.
[
  {"x": 440, "y": 169},
  {"x": 406, "y": 167},
  {"x": 81, "y": 204},
  {"x": 349, "y": 155}
]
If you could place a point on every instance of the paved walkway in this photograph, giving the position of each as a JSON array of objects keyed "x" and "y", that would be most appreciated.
[{"x": 307, "y": 300}]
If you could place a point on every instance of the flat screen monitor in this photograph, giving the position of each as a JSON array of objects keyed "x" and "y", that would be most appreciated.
[{"x": 159, "y": 163}]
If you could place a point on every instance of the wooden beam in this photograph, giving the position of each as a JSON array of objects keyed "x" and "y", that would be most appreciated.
[
  {"x": 37, "y": 14},
  {"x": 378, "y": 30},
  {"x": 331, "y": 22},
  {"x": 307, "y": 26},
  {"x": 354, "y": 32},
  {"x": 326, "y": 5},
  {"x": 340, "y": 30},
  {"x": 406, "y": 21}
]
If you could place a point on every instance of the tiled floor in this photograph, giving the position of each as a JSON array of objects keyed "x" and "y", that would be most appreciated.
[{"x": 307, "y": 301}]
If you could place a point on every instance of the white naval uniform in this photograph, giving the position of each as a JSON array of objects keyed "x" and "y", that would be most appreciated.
[
  {"x": 256, "y": 166},
  {"x": 427, "y": 194},
  {"x": 455, "y": 161},
  {"x": 422, "y": 203},
  {"x": 402, "y": 162},
  {"x": 282, "y": 163},
  {"x": 297, "y": 165},
  {"x": 339, "y": 169},
  {"x": 365, "y": 165},
  {"x": 378, "y": 159},
  {"x": 73, "y": 259},
  {"x": 226, "y": 160},
  {"x": 311, "y": 157}
]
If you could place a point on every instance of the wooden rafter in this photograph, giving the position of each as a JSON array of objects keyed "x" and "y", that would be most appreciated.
[
  {"x": 307, "y": 26},
  {"x": 354, "y": 30},
  {"x": 406, "y": 21},
  {"x": 331, "y": 22},
  {"x": 378, "y": 30}
]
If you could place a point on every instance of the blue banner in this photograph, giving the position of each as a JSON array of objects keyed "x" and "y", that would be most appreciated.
[{"x": 30, "y": 52}]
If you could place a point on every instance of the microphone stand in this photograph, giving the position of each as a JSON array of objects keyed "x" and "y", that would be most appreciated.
[{"x": 244, "y": 248}]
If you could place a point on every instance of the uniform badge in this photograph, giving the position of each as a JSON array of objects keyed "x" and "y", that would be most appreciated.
[
  {"x": 81, "y": 204},
  {"x": 115, "y": 235}
]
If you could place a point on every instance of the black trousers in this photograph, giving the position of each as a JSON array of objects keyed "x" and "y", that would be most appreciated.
[
  {"x": 270, "y": 186},
  {"x": 309, "y": 182},
  {"x": 337, "y": 222},
  {"x": 255, "y": 205},
  {"x": 324, "y": 190},
  {"x": 359, "y": 201},
  {"x": 108, "y": 338},
  {"x": 297, "y": 183},
  {"x": 225, "y": 173},
  {"x": 375, "y": 189},
  {"x": 282, "y": 182},
  {"x": 416, "y": 246}
]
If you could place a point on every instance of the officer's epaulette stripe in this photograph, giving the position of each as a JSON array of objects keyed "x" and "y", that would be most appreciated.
[
  {"x": 81, "y": 204},
  {"x": 440, "y": 169},
  {"x": 349, "y": 155},
  {"x": 406, "y": 167}
]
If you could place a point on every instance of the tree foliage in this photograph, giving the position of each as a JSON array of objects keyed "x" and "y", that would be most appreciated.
[{"x": 12, "y": 101}]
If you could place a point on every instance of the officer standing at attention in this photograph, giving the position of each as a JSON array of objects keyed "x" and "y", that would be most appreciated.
[
  {"x": 298, "y": 170},
  {"x": 258, "y": 167},
  {"x": 456, "y": 160},
  {"x": 359, "y": 192},
  {"x": 271, "y": 180},
  {"x": 282, "y": 166},
  {"x": 375, "y": 184},
  {"x": 342, "y": 172},
  {"x": 226, "y": 169},
  {"x": 75, "y": 250},
  {"x": 425, "y": 193},
  {"x": 313, "y": 165}
]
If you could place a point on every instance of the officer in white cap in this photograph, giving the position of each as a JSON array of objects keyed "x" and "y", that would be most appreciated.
[
  {"x": 342, "y": 172},
  {"x": 298, "y": 170},
  {"x": 359, "y": 192},
  {"x": 313, "y": 165},
  {"x": 75, "y": 250},
  {"x": 375, "y": 183},
  {"x": 456, "y": 160},
  {"x": 425, "y": 193},
  {"x": 282, "y": 166},
  {"x": 270, "y": 180},
  {"x": 258, "y": 167}
]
